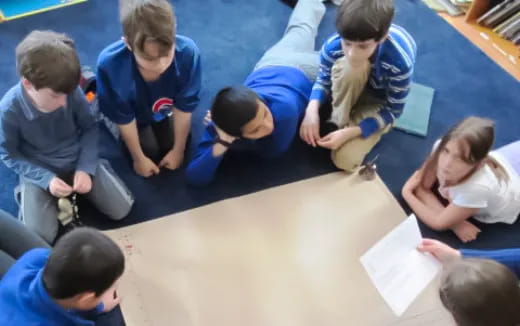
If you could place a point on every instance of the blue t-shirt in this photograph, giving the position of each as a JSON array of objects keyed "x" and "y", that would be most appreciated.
[
  {"x": 124, "y": 95},
  {"x": 25, "y": 301},
  {"x": 285, "y": 91}
]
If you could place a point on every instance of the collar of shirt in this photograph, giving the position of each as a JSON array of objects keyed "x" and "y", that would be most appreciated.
[{"x": 29, "y": 110}]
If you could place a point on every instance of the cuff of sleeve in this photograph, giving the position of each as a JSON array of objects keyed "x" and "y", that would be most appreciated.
[
  {"x": 188, "y": 108},
  {"x": 368, "y": 127},
  {"x": 89, "y": 168},
  {"x": 318, "y": 94},
  {"x": 45, "y": 180}
]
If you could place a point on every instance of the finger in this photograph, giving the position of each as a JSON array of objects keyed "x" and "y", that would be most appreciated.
[
  {"x": 310, "y": 137},
  {"x": 304, "y": 135},
  {"x": 62, "y": 184},
  {"x": 155, "y": 169},
  {"x": 316, "y": 131},
  {"x": 422, "y": 248},
  {"x": 428, "y": 242},
  {"x": 326, "y": 138}
]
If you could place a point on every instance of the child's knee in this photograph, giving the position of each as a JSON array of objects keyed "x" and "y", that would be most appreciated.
[{"x": 346, "y": 159}]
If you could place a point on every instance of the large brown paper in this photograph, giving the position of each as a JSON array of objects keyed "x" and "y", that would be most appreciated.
[{"x": 280, "y": 257}]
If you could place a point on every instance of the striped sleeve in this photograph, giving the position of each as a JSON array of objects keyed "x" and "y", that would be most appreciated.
[
  {"x": 329, "y": 53},
  {"x": 399, "y": 68}
]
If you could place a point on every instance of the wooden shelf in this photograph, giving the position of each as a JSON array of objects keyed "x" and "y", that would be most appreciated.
[{"x": 502, "y": 51}]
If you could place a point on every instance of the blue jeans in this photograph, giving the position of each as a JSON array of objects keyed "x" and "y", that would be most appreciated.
[{"x": 15, "y": 240}]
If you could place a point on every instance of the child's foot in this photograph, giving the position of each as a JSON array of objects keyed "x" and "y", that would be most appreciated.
[{"x": 466, "y": 231}]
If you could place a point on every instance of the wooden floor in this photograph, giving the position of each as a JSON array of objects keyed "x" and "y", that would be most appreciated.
[{"x": 503, "y": 52}]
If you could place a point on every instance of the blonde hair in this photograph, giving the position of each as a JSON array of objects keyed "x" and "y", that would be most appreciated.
[{"x": 479, "y": 135}]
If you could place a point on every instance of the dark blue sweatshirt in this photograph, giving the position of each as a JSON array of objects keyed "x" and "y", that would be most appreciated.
[
  {"x": 285, "y": 91},
  {"x": 25, "y": 301}
]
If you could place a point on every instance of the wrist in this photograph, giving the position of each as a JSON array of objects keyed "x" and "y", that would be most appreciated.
[
  {"x": 138, "y": 157},
  {"x": 178, "y": 148},
  {"x": 313, "y": 107}
]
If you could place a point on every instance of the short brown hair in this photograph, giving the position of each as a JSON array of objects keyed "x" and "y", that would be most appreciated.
[
  {"x": 148, "y": 21},
  {"x": 480, "y": 292},
  {"x": 363, "y": 20},
  {"x": 49, "y": 60}
]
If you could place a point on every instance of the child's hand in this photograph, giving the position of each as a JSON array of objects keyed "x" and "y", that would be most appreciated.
[
  {"x": 82, "y": 182},
  {"x": 335, "y": 139},
  {"x": 439, "y": 250},
  {"x": 110, "y": 300},
  {"x": 172, "y": 160},
  {"x": 207, "y": 118},
  {"x": 466, "y": 231},
  {"x": 224, "y": 136},
  {"x": 59, "y": 188},
  {"x": 145, "y": 167},
  {"x": 310, "y": 127}
]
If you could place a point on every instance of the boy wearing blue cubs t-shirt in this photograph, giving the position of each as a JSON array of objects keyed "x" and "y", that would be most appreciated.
[{"x": 148, "y": 84}]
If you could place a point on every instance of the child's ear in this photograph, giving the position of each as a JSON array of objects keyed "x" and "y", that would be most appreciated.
[
  {"x": 86, "y": 301},
  {"x": 126, "y": 43},
  {"x": 27, "y": 84}
]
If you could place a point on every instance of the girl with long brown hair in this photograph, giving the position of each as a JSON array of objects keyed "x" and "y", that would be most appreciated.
[{"x": 471, "y": 180}]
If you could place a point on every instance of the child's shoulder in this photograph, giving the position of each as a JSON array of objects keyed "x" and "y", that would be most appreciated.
[
  {"x": 399, "y": 49},
  {"x": 332, "y": 43},
  {"x": 11, "y": 100},
  {"x": 185, "y": 46},
  {"x": 114, "y": 54}
]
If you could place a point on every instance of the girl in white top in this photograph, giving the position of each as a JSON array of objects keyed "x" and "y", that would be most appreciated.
[{"x": 475, "y": 182}]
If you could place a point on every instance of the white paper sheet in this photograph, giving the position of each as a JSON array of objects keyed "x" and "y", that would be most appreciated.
[{"x": 397, "y": 269}]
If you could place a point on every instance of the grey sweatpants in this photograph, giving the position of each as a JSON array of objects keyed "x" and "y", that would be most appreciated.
[
  {"x": 15, "y": 240},
  {"x": 39, "y": 209},
  {"x": 296, "y": 48}
]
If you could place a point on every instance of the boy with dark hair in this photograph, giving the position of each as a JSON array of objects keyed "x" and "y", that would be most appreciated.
[
  {"x": 263, "y": 115},
  {"x": 68, "y": 285},
  {"x": 365, "y": 71},
  {"x": 49, "y": 137},
  {"x": 148, "y": 85}
]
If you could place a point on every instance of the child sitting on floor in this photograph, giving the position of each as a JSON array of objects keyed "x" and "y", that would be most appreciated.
[
  {"x": 69, "y": 285},
  {"x": 49, "y": 137},
  {"x": 470, "y": 179},
  {"x": 365, "y": 71}
]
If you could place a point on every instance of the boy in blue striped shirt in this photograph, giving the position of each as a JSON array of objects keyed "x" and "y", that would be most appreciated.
[{"x": 365, "y": 73}]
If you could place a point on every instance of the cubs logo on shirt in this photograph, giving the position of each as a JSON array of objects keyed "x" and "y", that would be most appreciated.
[{"x": 162, "y": 108}]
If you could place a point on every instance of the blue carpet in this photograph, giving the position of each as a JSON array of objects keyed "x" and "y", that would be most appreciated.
[{"x": 465, "y": 80}]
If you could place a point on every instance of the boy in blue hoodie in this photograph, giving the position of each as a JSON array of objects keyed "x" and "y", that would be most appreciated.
[
  {"x": 71, "y": 285},
  {"x": 262, "y": 116}
]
